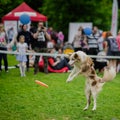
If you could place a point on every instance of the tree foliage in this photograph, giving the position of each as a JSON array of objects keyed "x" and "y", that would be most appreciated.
[{"x": 61, "y": 12}]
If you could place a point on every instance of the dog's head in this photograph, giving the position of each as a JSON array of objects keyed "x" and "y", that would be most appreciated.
[{"x": 77, "y": 58}]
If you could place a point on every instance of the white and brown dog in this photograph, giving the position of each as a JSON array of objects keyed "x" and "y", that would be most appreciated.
[{"x": 84, "y": 65}]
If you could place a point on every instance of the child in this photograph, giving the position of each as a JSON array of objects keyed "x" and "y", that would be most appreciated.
[{"x": 21, "y": 57}]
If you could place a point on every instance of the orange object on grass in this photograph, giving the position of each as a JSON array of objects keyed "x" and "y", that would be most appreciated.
[{"x": 41, "y": 83}]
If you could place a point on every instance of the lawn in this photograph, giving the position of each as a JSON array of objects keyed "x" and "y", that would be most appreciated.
[{"x": 22, "y": 99}]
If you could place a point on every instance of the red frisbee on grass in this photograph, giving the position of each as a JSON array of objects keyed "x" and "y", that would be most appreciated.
[{"x": 41, "y": 83}]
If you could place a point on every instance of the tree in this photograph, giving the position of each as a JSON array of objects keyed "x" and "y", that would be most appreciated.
[{"x": 61, "y": 12}]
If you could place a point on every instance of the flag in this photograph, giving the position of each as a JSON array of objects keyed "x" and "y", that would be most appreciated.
[{"x": 114, "y": 18}]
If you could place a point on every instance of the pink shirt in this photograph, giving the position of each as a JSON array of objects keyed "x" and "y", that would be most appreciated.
[
  {"x": 2, "y": 36},
  {"x": 60, "y": 36},
  {"x": 118, "y": 40}
]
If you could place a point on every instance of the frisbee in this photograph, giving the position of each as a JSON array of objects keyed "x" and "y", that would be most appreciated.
[{"x": 41, "y": 83}]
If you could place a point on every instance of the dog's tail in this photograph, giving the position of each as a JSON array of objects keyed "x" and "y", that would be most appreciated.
[{"x": 109, "y": 74}]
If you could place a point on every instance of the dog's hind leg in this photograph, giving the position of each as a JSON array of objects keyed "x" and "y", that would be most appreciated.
[
  {"x": 94, "y": 94},
  {"x": 88, "y": 96}
]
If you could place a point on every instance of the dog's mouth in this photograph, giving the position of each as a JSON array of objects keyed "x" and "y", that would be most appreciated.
[{"x": 72, "y": 62}]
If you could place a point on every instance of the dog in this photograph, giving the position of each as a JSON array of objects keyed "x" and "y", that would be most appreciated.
[{"x": 84, "y": 65}]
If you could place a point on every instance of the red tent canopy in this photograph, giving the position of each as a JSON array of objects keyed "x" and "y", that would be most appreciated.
[{"x": 24, "y": 8}]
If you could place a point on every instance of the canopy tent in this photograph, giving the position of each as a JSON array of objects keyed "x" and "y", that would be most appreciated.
[{"x": 21, "y": 9}]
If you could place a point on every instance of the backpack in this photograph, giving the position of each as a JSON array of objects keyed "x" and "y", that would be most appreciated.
[{"x": 113, "y": 45}]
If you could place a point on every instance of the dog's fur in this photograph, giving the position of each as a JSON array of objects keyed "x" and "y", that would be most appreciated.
[{"x": 84, "y": 65}]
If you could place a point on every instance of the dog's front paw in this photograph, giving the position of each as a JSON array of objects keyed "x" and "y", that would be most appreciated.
[
  {"x": 93, "y": 109},
  {"x": 67, "y": 81},
  {"x": 85, "y": 108}
]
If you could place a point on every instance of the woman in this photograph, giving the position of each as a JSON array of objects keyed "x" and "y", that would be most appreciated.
[
  {"x": 3, "y": 46},
  {"x": 118, "y": 41},
  {"x": 57, "y": 63},
  {"x": 109, "y": 38},
  {"x": 28, "y": 37},
  {"x": 77, "y": 39}
]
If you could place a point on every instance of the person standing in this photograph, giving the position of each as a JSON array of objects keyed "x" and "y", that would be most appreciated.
[
  {"x": 60, "y": 40},
  {"x": 118, "y": 42},
  {"x": 110, "y": 39},
  {"x": 21, "y": 57},
  {"x": 93, "y": 41},
  {"x": 40, "y": 45},
  {"x": 77, "y": 40},
  {"x": 24, "y": 31},
  {"x": 3, "y": 46}
]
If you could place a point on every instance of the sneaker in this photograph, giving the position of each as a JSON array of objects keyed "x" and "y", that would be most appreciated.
[{"x": 24, "y": 75}]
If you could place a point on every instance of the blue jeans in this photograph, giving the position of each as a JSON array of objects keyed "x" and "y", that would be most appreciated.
[{"x": 63, "y": 63}]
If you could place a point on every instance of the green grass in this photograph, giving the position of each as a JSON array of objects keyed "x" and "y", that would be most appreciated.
[{"x": 23, "y": 99}]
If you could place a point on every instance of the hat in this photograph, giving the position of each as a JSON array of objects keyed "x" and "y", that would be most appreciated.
[{"x": 104, "y": 34}]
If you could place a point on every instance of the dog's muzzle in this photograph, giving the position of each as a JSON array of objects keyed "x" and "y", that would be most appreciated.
[{"x": 71, "y": 63}]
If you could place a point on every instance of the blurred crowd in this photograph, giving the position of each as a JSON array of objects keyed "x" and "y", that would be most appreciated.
[
  {"x": 99, "y": 43},
  {"x": 39, "y": 39}
]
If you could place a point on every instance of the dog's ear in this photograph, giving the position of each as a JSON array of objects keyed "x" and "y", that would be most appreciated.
[
  {"x": 77, "y": 57},
  {"x": 90, "y": 61}
]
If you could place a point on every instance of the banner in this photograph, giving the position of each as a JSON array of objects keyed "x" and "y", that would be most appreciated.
[
  {"x": 114, "y": 18},
  {"x": 73, "y": 29},
  {"x": 10, "y": 24}
]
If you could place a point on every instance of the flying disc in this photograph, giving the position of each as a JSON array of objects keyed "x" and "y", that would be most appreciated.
[{"x": 41, "y": 83}]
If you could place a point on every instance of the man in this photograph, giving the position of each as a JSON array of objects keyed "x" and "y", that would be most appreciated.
[
  {"x": 40, "y": 45},
  {"x": 93, "y": 42}
]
